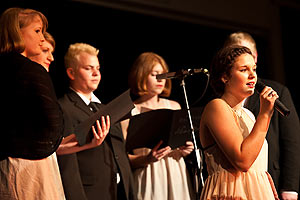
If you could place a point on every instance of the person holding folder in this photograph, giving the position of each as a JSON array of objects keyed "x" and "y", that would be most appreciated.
[
  {"x": 102, "y": 172},
  {"x": 160, "y": 172}
]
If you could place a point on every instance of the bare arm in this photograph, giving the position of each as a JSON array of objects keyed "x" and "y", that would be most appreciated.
[{"x": 221, "y": 125}]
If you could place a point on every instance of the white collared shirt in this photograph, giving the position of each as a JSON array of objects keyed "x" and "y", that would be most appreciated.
[{"x": 86, "y": 100}]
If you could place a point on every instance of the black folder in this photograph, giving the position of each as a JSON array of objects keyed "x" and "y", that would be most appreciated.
[
  {"x": 171, "y": 126},
  {"x": 117, "y": 109}
]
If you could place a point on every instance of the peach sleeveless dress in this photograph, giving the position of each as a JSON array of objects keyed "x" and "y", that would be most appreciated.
[{"x": 225, "y": 182}]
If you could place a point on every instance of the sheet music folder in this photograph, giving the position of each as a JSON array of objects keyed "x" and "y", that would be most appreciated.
[
  {"x": 171, "y": 126},
  {"x": 116, "y": 109}
]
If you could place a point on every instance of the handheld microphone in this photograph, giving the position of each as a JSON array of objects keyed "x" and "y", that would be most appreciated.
[
  {"x": 181, "y": 73},
  {"x": 279, "y": 106}
]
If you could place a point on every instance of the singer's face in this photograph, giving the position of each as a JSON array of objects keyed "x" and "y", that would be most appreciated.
[
  {"x": 154, "y": 86},
  {"x": 46, "y": 57},
  {"x": 87, "y": 76},
  {"x": 243, "y": 77}
]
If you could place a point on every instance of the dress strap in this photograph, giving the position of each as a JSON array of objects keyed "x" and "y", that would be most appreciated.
[
  {"x": 209, "y": 146},
  {"x": 166, "y": 103}
]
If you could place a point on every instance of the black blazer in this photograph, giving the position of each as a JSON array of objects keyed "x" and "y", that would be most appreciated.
[
  {"x": 283, "y": 139},
  {"x": 32, "y": 122},
  {"x": 90, "y": 174}
]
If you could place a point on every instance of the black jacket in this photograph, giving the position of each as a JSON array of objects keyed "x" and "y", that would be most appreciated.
[
  {"x": 32, "y": 122},
  {"x": 91, "y": 174}
]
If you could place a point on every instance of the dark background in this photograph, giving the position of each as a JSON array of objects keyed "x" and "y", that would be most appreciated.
[{"x": 122, "y": 35}]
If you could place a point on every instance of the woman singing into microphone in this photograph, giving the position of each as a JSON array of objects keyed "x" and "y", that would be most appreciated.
[{"x": 234, "y": 142}]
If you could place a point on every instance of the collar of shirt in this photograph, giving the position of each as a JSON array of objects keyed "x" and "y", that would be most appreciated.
[{"x": 86, "y": 100}]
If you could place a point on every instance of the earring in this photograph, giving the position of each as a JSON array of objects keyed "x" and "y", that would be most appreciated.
[{"x": 224, "y": 80}]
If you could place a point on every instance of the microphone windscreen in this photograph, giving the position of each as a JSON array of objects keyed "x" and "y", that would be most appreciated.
[{"x": 259, "y": 86}]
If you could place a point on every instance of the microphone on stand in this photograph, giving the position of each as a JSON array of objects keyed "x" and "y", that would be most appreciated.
[
  {"x": 279, "y": 106},
  {"x": 181, "y": 73}
]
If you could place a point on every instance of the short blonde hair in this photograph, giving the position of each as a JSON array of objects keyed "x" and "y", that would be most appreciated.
[
  {"x": 72, "y": 55},
  {"x": 238, "y": 37},
  {"x": 11, "y": 22},
  {"x": 140, "y": 70}
]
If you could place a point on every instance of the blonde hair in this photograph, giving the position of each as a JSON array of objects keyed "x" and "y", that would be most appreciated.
[
  {"x": 140, "y": 70},
  {"x": 72, "y": 55},
  {"x": 49, "y": 38},
  {"x": 11, "y": 22},
  {"x": 238, "y": 37}
]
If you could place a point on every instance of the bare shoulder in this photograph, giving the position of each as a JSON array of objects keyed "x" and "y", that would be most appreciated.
[
  {"x": 174, "y": 104},
  {"x": 216, "y": 104},
  {"x": 216, "y": 107}
]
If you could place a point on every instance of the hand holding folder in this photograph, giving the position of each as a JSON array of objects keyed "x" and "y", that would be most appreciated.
[
  {"x": 171, "y": 126},
  {"x": 117, "y": 109}
]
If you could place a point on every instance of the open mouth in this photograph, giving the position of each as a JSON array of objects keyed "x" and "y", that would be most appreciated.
[{"x": 251, "y": 84}]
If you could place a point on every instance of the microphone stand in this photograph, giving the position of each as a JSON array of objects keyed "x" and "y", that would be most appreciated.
[{"x": 197, "y": 151}]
